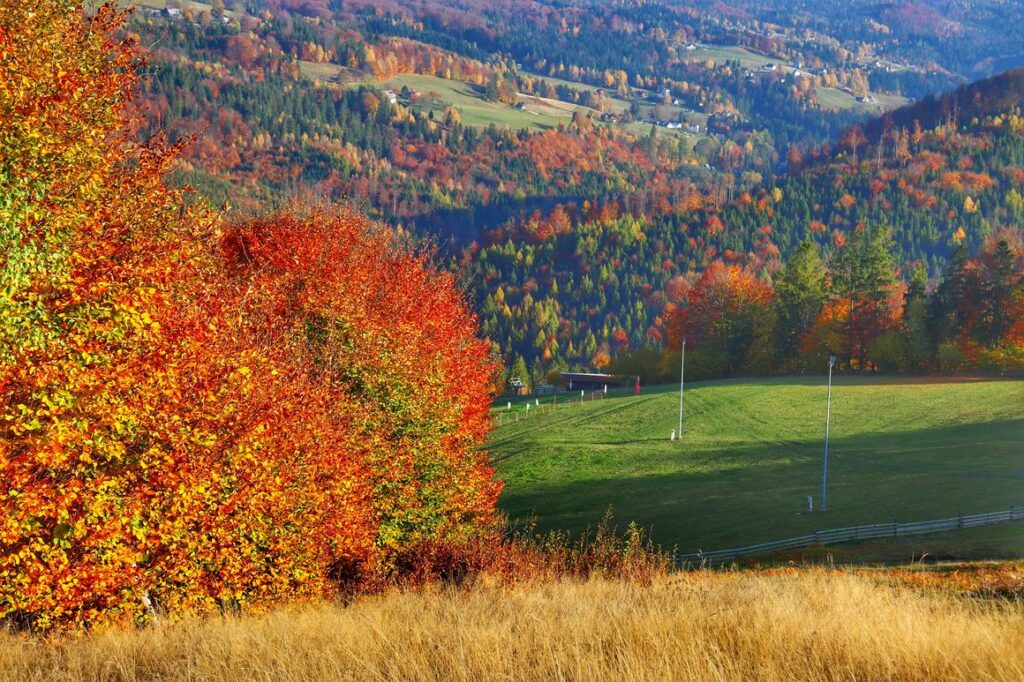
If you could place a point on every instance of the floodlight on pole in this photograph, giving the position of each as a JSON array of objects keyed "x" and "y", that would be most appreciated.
[
  {"x": 828, "y": 417},
  {"x": 682, "y": 380}
]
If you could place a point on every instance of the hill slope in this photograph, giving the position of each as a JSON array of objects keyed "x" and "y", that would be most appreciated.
[{"x": 752, "y": 453}]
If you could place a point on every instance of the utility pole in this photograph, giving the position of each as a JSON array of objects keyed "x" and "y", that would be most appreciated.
[
  {"x": 682, "y": 379},
  {"x": 828, "y": 416}
]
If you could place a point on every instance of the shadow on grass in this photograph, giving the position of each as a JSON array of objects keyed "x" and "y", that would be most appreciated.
[{"x": 758, "y": 492}]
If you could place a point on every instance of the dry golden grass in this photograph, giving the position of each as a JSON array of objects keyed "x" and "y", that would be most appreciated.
[{"x": 734, "y": 626}]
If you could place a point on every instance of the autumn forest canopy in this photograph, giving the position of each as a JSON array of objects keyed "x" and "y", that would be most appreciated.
[
  {"x": 266, "y": 263},
  {"x": 583, "y": 166}
]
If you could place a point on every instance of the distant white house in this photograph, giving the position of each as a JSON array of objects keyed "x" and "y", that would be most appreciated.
[{"x": 173, "y": 12}]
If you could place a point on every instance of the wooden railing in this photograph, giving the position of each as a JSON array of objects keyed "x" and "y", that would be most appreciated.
[{"x": 830, "y": 537}]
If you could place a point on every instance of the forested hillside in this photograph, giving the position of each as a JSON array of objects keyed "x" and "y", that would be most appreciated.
[
  {"x": 274, "y": 93},
  {"x": 580, "y": 286},
  {"x": 586, "y": 166}
]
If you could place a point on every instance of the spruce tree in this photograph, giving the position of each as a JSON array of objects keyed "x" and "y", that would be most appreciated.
[
  {"x": 800, "y": 295},
  {"x": 997, "y": 299},
  {"x": 864, "y": 275}
]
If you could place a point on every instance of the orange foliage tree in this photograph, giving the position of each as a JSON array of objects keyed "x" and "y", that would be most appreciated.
[
  {"x": 379, "y": 348},
  {"x": 94, "y": 254},
  {"x": 727, "y": 320},
  {"x": 198, "y": 417}
]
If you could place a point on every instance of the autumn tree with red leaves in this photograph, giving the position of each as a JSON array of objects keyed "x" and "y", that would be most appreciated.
[
  {"x": 727, "y": 321},
  {"x": 199, "y": 417},
  {"x": 380, "y": 350}
]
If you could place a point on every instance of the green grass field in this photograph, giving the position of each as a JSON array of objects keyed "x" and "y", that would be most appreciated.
[
  {"x": 436, "y": 93},
  {"x": 620, "y": 104},
  {"x": 833, "y": 98},
  {"x": 474, "y": 109},
  {"x": 829, "y": 98},
  {"x": 186, "y": 4},
  {"x": 538, "y": 113},
  {"x": 903, "y": 449},
  {"x": 723, "y": 53}
]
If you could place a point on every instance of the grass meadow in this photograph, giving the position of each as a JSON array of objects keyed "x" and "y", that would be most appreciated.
[
  {"x": 828, "y": 97},
  {"x": 751, "y": 453},
  {"x": 437, "y": 93},
  {"x": 475, "y": 110},
  {"x": 786, "y": 625},
  {"x": 538, "y": 113}
]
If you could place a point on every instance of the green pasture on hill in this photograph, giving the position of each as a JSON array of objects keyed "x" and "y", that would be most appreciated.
[
  {"x": 437, "y": 93},
  {"x": 536, "y": 113},
  {"x": 901, "y": 449},
  {"x": 474, "y": 109},
  {"x": 829, "y": 98}
]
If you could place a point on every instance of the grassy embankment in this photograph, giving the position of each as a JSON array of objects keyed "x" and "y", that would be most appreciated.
[{"x": 903, "y": 449}]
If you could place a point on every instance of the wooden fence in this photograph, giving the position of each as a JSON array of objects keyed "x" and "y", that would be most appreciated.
[
  {"x": 830, "y": 537},
  {"x": 534, "y": 407}
]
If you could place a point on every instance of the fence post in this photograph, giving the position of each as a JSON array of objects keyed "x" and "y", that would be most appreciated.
[{"x": 870, "y": 532}]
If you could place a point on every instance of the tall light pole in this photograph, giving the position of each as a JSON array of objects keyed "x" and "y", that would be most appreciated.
[
  {"x": 828, "y": 416},
  {"x": 682, "y": 378}
]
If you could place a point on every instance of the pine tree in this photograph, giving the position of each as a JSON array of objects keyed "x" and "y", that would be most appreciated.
[
  {"x": 915, "y": 319},
  {"x": 997, "y": 299},
  {"x": 519, "y": 370},
  {"x": 800, "y": 294},
  {"x": 864, "y": 276},
  {"x": 491, "y": 92},
  {"x": 944, "y": 311}
]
